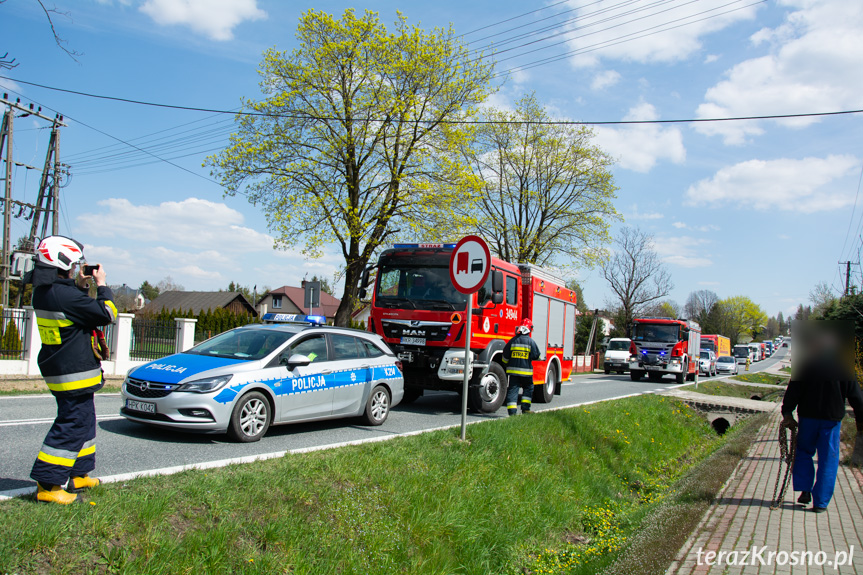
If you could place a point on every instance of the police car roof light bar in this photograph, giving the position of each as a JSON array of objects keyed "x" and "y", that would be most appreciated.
[{"x": 293, "y": 318}]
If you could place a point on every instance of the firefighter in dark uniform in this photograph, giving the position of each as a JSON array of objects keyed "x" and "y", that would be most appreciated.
[
  {"x": 68, "y": 318},
  {"x": 518, "y": 356}
]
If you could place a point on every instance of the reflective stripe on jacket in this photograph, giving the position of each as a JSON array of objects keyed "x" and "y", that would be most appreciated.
[
  {"x": 519, "y": 354},
  {"x": 66, "y": 317}
]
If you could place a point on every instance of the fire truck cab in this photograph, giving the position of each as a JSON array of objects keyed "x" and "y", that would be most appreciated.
[
  {"x": 421, "y": 316},
  {"x": 663, "y": 346}
]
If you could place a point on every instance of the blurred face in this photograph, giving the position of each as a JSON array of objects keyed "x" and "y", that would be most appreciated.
[{"x": 822, "y": 342}]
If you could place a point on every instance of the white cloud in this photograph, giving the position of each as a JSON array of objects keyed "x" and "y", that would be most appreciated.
[
  {"x": 215, "y": 19},
  {"x": 191, "y": 223},
  {"x": 704, "y": 228},
  {"x": 812, "y": 67},
  {"x": 711, "y": 58},
  {"x": 683, "y": 251},
  {"x": 783, "y": 184},
  {"x": 634, "y": 214},
  {"x": 639, "y": 147},
  {"x": 605, "y": 79},
  {"x": 645, "y": 35}
]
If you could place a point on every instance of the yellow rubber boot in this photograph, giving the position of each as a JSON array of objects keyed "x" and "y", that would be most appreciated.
[
  {"x": 86, "y": 482},
  {"x": 55, "y": 495}
]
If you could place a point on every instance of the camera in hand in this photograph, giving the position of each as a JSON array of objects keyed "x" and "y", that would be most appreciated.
[{"x": 88, "y": 270}]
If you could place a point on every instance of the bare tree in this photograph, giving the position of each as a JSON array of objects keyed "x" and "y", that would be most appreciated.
[
  {"x": 699, "y": 306},
  {"x": 635, "y": 272},
  {"x": 61, "y": 43}
]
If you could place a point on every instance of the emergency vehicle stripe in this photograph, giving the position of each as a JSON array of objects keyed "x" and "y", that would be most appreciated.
[
  {"x": 72, "y": 381},
  {"x": 56, "y": 456},
  {"x": 112, "y": 309},
  {"x": 517, "y": 371}
]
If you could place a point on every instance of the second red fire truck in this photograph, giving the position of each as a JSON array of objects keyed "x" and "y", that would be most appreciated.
[
  {"x": 415, "y": 307},
  {"x": 663, "y": 346}
]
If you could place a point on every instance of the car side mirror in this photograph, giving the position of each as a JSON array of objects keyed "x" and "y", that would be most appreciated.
[
  {"x": 497, "y": 281},
  {"x": 296, "y": 360},
  {"x": 496, "y": 298}
]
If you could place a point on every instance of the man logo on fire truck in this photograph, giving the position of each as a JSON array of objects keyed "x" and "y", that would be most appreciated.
[{"x": 510, "y": 294}]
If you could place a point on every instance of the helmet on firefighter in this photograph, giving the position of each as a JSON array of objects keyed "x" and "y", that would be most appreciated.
[
  {"x": 525, "y": 328},
  {"x": 60, "y": 252}
]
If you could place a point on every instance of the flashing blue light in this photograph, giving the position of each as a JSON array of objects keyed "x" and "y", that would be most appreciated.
[
  {"x": 293, "y": 318},
  {"x": 408, "y": 246}
]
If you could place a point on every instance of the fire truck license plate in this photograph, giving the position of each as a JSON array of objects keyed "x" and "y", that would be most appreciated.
[
  {"x": 413, "y": 341},
  {"x": 140, "y": 406}
]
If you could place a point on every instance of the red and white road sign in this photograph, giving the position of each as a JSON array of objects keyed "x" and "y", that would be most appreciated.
[{"x": 469, "y": 264}]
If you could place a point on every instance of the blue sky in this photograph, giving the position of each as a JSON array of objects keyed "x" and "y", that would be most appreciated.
[{"x": 758, "y": 208}]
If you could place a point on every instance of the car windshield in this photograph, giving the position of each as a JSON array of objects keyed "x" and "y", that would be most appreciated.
[
  {"x": 705, "y": 355},
  {"x": 418, "y": 282},
  {"x": 242, "y": 343},
  {"x": 653, "y": 332},
  {"x": 741, "y": 351},
  {"x": 618, "y": 346},
  {"x": 725, "y": 359},
  {"x": 708, "y": 344}
]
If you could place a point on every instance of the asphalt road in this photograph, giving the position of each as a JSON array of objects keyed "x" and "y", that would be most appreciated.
[{"x": 125, "y": 448}]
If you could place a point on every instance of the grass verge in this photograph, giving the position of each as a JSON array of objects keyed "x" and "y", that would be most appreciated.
[
  {"x": 564, "y": 490},
  {"x": 762, "y": 377},
  {"x": 735, "y": 390}
]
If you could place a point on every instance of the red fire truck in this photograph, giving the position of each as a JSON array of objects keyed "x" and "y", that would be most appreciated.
[
  {"x": 664, "y": 346},
  {"x": 422, "y": 317}
]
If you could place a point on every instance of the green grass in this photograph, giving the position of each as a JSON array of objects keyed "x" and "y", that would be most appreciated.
[
  {"x": 762, "y": 377},
  {"x": 566, "y": 488},
  {"x": 735, "y": 390}
]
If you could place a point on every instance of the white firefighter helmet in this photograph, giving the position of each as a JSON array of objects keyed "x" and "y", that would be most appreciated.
[{"x": 60, "y": 252}]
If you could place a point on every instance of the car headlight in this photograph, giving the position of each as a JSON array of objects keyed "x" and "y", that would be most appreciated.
[
  {"x": 205, "y": 385},
  {"x": 456, "y": 360}
]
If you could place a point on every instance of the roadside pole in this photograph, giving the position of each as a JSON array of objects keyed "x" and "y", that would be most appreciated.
[{"x": 469, "y": 266}]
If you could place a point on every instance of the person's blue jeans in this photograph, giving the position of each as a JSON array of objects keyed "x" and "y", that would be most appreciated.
[
  {"x": 524, "y": 382},
  {"x": 822, "y": 437}
]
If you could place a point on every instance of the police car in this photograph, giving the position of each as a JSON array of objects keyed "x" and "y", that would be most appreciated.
[{"x": 244, "y": 380}]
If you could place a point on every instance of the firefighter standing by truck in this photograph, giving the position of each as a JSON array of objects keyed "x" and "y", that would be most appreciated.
[
  {"x": 68, "y": 318},
  {"x": 518, "y": 356}
]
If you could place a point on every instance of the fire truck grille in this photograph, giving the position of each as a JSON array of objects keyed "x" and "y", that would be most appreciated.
[{"x": 422, "y": 330}]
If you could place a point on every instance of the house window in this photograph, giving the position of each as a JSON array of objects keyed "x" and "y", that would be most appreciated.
[{"x": 277, "y": 302}]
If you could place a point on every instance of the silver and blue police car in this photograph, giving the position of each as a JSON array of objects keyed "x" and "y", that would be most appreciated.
[{"x": 244, "y": 380}]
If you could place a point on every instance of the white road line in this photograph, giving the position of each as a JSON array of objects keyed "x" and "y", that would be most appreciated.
[
  {"x": 264, "y": 456},
  {"x": 41, "y": 420}
]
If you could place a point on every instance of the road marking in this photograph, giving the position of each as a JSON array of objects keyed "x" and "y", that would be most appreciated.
[{"x": 41, "y": 420}]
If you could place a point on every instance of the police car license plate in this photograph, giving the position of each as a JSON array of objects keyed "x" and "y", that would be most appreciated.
[
  {"x": 140, "y": 406},
  {"x": 413, "y": 341}
]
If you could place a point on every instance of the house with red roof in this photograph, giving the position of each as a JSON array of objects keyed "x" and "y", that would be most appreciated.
[{"x": 288, "y": 299}]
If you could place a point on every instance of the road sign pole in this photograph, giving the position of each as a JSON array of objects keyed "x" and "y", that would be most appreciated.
[{"x": 468, "y": 366}]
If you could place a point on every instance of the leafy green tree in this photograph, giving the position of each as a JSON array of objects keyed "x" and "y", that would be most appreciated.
[
  {"x": 743, "y": 317},
  {"x": 338, "y": 150},
  {"x": 540, "y": 192},
  {"x": 149, "y": 291},
  {"x": 325, "y": 284}
]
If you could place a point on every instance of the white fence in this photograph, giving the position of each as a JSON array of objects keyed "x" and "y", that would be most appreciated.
[{"x": 121, "y": 342}]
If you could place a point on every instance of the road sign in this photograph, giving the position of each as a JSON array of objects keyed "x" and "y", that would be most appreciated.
[{"x": 469, "y": 264}]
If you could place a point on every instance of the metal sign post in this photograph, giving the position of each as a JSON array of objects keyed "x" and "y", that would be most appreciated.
[{"x": 469, "y": 266}]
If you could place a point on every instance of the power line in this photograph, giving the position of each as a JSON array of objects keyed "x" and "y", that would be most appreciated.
[
  {"x": 516, "y": 17},
  {"x": 457, "y": 122}
]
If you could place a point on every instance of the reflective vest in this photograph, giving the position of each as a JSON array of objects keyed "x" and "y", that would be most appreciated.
[
  {"x": 66, "y": 317},
  {"x": 519, "y": 354}
]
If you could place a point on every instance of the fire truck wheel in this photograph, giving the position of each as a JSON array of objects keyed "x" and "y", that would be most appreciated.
[
  {"x": 683, "y": 374},
  {"x": 489, "y": 392},
  {"x": 545, "y": 393},
  {"x": 636, "y": 375}
]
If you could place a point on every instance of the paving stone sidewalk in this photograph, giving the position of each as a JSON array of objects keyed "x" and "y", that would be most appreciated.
[{"x": 741, "y": 521}]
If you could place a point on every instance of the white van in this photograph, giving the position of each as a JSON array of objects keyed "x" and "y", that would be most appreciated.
[{"x": 617, "y": 355}]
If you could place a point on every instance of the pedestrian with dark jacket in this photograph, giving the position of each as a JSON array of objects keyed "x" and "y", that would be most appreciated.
[
  {"x": 70, "y": 362},
  {"x": 518, "y": 356},
  {"x": 822, "y": 381}
]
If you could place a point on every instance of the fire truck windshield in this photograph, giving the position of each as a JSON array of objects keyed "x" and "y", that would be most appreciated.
[
  {"x": 406, "y": 283},
  {"x": 654, "y": 332}
]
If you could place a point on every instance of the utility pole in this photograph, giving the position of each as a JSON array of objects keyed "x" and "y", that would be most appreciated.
[
  {"x": 52, "y": 164},
  {"x": 847, "y": 277}
]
